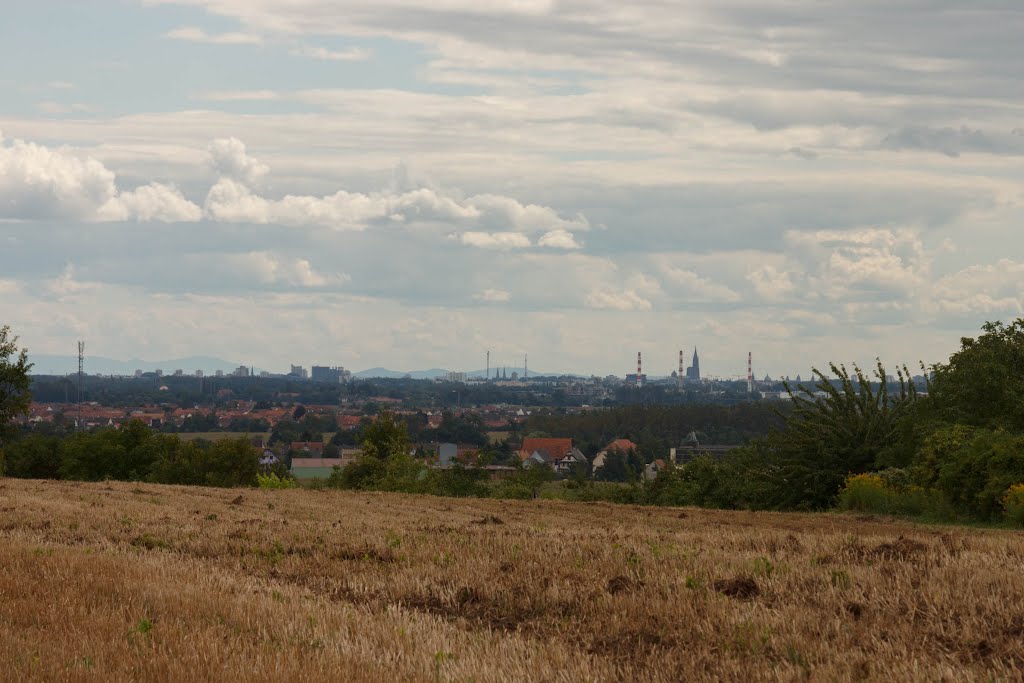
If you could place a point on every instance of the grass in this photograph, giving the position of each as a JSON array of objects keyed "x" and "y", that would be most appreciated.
[{"x": 102, "y": 583}]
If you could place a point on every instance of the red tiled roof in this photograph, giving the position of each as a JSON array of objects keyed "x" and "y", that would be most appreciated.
[
  {"x": 623, "y": 445},
  {"x": 555, "y": 447}
]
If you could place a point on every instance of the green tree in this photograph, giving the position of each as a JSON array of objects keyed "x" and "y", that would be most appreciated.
[
  {"x": 34, "y": 457},
  {"x": 982, "y": 385},
  {"x": 15, "y": 385},
  {"x": 834, "y": 429}
]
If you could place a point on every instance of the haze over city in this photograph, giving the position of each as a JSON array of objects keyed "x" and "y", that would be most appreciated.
[{"x": 400, "y": 185}]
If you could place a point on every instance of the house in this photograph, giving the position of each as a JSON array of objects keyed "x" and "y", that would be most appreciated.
[
  {"x": 623, "y": 446},
  {"x": 558, "y": 454},
  {"x": 314, "y": 448},
  {"x": 652, "y": 469}
]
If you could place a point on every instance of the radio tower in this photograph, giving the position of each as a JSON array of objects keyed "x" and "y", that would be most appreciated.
[
  {"x": 639, "y": 372},
  {"x": 750, "y": 373},
  {"x": 81, "y": 373},
  {"x": 679, "y": 376}
]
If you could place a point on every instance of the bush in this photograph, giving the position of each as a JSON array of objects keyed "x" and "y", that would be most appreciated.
[
  {"x": 1013, "y": 504},
  {"x": 272, "y": 481},
  {"x": 866, "y": 493},
  {"x": 889, "y": 493}
]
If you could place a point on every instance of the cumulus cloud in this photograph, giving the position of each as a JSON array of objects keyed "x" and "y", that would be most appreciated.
[
  {"x": 872, "y": 262},
  {"x": 38, "y": 182},
  {"x": 991, "y": 289},
  {"x": 507, "y": 213},
  {"x": 495, "y": 240},
  {"x": 153, "y": 202},
  {"x": 558, "y": 239},
  {"x": 230, "y": 160}
]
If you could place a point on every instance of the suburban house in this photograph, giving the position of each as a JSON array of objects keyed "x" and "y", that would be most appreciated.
[
  {"x": 623, "y": 446},
  {"x": 559, "y": 454},
  {"x": 652, "y": 469}
]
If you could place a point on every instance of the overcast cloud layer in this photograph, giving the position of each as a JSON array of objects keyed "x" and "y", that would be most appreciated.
[{"x": 407, "y": 184}]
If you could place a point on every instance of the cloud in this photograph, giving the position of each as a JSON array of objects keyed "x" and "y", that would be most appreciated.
[
  {"x": 689, "y": 287},
  {"x": 771, "y": 283},
  {"x": 271, "y": 269},
  {"x": 627, "y": 300},
  {"x": 507, "y": 213},
  {"x": 996, "y": 288},
  {"x": 153, "y": 202},
  {"x": 558, "y": 239},
  {"x": 954, "y": 141},
  {"x": 493, "y": 296},
  {"x": 230, "y": 160},
  {"x": 495, "y": 240},
  {"x": 50, "y": 107},
  {"x": 353, "y": 54},
  {"x": 38, "y": 182},
  {"x": 194, "y": 34}
]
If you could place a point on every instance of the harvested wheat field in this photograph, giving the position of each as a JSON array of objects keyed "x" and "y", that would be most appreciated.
[{"x": 130, "y": 581}]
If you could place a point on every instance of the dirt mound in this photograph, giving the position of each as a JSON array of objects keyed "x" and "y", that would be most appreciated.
[{"x": 741, "y": 587}]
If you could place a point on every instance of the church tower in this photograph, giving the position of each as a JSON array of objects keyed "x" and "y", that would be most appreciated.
[{"x": 694, "y": 373}]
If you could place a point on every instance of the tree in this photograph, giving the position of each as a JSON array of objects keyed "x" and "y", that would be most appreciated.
[
  {"x": 841, "y": 430},
  {"x": 15, "y": 395},
  {"x": 982, "y": 385}
]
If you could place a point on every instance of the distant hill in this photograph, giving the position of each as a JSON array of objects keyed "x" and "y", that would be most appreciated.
[{"x": 98, "y": 365}]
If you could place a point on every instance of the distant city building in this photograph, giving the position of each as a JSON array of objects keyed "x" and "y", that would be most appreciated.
[
  {"x": 693, "y": 372},
  {"x": 138, "y": 373},
  {"x": 241, "y": 371},
  {"x": 199, "y": 373},
  {"x": 219, "y": 373},
  {"x": 179, "y": 373},
  {"x": 456, "y": 376},
  {"x": 299, "y": 372},
  {"x": 322, "y": 373},
  {"x": 159, "y": 372}
]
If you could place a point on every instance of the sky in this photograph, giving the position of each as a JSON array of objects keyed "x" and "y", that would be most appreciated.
[{"x": 408, "y": 184}]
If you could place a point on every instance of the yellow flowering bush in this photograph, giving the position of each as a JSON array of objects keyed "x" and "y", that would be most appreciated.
[
  {"x": 865, "y": 492},
  {"x": 1013, "y": 504}
]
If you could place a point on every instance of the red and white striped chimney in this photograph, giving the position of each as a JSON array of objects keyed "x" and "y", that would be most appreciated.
[{"x": 639, "y": 371}]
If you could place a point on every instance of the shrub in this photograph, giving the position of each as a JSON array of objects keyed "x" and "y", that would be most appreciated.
[
  {"x": 1013, "y": 504},
  {"x": 888, "y": 493},
  {"x": 866, "y": 493},
  {"x": 272, "y": 481}
]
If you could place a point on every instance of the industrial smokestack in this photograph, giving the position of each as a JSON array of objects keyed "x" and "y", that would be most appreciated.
[
  {"x": 679, "y": 375},
  {"x": 639, "y": 371}
]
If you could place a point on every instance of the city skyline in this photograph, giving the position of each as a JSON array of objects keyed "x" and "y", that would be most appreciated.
[{"x": 381, "y": 185}]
